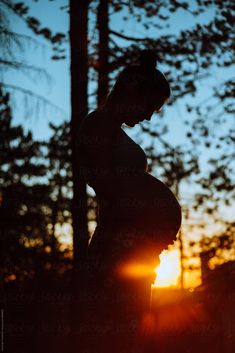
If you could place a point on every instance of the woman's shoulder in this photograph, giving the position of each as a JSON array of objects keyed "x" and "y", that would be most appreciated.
[
  {"x": 96, "y": 123},
  {"x": 89, "y": 120}
]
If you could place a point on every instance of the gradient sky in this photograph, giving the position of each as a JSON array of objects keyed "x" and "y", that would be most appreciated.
[{"x": 58, "y": 89}]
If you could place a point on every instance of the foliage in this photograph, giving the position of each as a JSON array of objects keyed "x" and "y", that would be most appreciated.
[
  {"x": 33, "y": 199},
  {"x": 13, "y": 43},
  {"x": 22, "y": 198},
  {"x": 22, "y": 10}
]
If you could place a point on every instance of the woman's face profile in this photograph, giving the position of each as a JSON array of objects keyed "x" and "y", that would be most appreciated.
[
  {"x": 140, "y": 108},
  {"x": 139, "y": 114}
]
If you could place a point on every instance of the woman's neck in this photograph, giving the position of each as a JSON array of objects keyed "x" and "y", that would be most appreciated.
[{"x": 114, "y": 112}]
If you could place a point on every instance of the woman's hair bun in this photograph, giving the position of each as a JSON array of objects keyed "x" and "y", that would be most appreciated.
[{"x": 148, "y": 59}]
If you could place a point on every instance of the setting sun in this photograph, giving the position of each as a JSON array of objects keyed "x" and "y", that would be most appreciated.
[{"x": 168, "y": 272}]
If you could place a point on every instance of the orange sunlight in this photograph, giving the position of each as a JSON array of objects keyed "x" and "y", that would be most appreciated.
[
  {"x": 134, "y": 270},
  {"x": 168, "y": 272}
]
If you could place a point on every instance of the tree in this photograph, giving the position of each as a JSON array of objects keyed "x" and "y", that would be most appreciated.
[
  {"x": 79, "y": 74},
  {"x": 24, "y": 197},
  {"x": 78, "y": 85},
  {"x": 12, "y": 43},
  {"x": 79, "y": 82},
  {"x": 103, "y": 51},
  {"x": 59, "y": 173},
  {"x": 220, "y": 245}
]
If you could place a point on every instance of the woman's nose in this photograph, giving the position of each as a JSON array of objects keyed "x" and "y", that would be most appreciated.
[{"x": 148, "y": 117}]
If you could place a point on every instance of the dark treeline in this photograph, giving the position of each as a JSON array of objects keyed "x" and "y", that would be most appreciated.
[{"x": 35, "y": 195}]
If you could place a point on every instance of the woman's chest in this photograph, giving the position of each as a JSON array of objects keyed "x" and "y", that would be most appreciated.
[{"x": 129, "y": 158}]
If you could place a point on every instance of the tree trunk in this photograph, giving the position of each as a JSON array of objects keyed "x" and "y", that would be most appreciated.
[
  {"x": 181, "y": 242},
  {"x": 103, "y": 51},
  {"x": 79, "y": 87},
  {"x": 79, "y": 83}
]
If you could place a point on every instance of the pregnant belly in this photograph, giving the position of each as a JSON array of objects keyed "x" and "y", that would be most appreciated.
[{"x": 147, "y": 207}]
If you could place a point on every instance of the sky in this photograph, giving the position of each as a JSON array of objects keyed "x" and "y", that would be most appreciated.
[{"x": 57, "y": 89}]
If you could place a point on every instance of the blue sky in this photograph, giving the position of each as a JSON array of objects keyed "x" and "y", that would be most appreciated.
[{"x": 58, "y": 89}]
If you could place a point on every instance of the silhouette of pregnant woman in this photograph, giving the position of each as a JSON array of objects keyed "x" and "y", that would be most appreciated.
[{"x": 138, "y": 216}]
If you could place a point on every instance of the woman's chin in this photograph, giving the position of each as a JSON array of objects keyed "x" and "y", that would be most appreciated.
[{"x": 130, "y": 124}]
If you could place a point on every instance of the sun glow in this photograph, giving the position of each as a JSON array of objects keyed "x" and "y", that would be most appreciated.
[
  {"x": 134, "y": 270},
  {"x": 168, "y": 272}
]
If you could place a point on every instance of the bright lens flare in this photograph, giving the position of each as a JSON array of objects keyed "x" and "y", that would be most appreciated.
[
  {"x": 134, "y": 270},
  {"x": 168, "y": 272}
]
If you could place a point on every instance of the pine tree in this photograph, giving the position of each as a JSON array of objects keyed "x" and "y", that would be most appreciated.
[{"x": 24, "y": 195}]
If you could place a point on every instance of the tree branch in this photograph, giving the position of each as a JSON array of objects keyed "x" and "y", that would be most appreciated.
[
  {"x": 30, "y": 93},
  {"x": 15, "y": 36},
  {"x": 123, "y": 36},
  {"x": 16, "y": 65}
]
